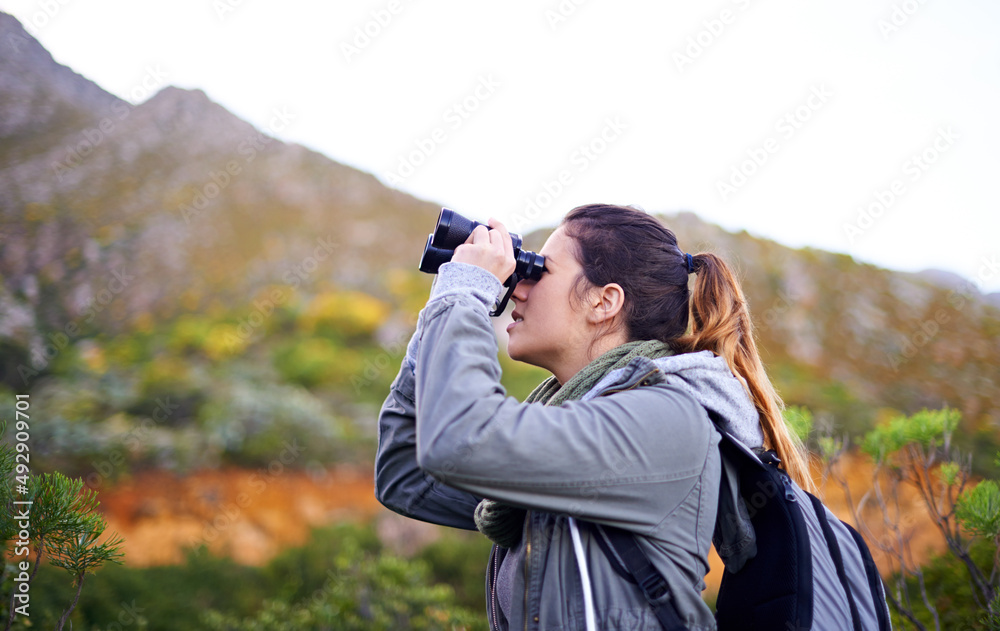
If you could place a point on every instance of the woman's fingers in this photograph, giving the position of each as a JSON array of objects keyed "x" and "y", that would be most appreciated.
[
  {"x": 503, "y": 248},
  {"x": 479, "y": 235},
  {"x": 501, "y": 229},
  {"x": 490, "y": 249}
]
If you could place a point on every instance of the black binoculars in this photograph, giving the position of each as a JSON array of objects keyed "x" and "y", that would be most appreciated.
[{"x": 452, "y": 230}]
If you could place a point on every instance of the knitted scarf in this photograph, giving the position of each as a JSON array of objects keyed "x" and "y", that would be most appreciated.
[{"x": 503, "y": 523}]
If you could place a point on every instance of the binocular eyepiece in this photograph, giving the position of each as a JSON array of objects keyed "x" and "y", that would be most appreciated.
[{"x": 452, "y": 230}]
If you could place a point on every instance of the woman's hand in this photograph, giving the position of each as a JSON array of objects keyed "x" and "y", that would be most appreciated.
[{"x": 491, "y": 250}]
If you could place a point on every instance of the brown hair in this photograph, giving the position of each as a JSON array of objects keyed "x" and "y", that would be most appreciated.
[{"x": 619, "y": 244}]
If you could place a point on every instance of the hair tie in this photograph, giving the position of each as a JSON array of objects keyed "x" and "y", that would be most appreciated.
[{"x": 690, "y": 263}]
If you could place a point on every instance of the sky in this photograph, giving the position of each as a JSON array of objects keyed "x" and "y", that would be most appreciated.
[{"x": 867, "y": 127}]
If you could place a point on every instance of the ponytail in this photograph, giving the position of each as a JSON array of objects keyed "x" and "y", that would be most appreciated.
[
  {"x": 618, "y": 244},
  {"x": 720, "y": 322}
]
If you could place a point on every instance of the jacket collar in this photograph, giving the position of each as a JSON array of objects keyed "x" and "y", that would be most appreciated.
[
  {"x": 641, "y": 371},
  {"x": 734, "y": 537}
]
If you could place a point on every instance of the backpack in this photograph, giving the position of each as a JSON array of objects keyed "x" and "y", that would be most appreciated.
[{"x": 774, "y": 589}]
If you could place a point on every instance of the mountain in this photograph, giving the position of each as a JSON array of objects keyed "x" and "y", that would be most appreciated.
[
  {"x": 112, "y": 213},
  {"x": 114, "y": 216}
]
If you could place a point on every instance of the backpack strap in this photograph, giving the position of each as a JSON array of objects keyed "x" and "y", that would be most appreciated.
[
  {"x": 638, "y": 565},
  {"x": 838, "y": 559},
  {"x": 874, "y": 580},
  {"x": 601, "y": 537}
]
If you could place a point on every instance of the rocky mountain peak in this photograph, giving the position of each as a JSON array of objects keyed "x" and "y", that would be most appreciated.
[
  {"x": 190, "y": 113},
  {"x": 38, "y": 94}
]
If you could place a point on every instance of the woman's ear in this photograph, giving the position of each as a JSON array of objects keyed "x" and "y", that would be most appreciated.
[{"x": 606, "y": 303}]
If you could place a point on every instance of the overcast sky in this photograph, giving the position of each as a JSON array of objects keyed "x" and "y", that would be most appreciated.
[{"x": 862, "y": 126}]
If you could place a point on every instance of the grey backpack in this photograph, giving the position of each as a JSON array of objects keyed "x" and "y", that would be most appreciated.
[{"x": 776, "y": 589}]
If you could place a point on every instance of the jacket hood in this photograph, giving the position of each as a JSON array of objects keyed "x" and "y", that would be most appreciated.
[{"x": 707, "y": 378}]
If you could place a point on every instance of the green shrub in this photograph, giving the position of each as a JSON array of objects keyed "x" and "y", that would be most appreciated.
[
  {"x": 925, "y": 428},
  {"x": 362, "y": 592},
  {"x": 948, "y": 588},
  {"x": 799, "y": 420},
  {"x": 342, "y": 578},
  {"x": 460, "y": 560}
]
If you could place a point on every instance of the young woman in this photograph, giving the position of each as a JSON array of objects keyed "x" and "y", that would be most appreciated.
[{"x": 620, "y": 434}]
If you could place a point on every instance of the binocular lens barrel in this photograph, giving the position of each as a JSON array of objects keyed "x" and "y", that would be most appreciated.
[
  {"x": 433, "y": 257},
  {"x": 529, "y": 264},
  {"x": 452, "y": 230}
]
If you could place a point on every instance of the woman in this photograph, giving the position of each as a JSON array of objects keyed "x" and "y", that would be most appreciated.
[{"x": 620, "y": 435}]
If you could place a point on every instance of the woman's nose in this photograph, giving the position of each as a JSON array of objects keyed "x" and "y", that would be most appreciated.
[{"x": 522, "y": 289}]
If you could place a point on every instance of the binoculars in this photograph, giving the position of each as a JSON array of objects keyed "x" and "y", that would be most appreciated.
[{"x": 452, "y": 230}]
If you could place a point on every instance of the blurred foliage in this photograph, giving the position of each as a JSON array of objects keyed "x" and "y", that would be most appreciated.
[
  {"x": 800, "y": 420},
  {"x": 926, "y": 429},
  {"x": 351, "y": 314},
  {"x": 979, "y": 509},
  {"x": 460, "y": 560},
  {"x": 232, "y": 384},
  {"x": 342, "y": 578},
  {"x": 311, "y": 362},
  {"x": 947, "y": 581},
  {"x": 959, "y": 588},
  {"x": 380, "y": 593}
]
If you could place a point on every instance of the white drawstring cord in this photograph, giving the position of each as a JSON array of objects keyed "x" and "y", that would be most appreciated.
[{"x": 581, "y": 562}]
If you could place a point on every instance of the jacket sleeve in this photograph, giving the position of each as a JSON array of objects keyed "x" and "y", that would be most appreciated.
[
  {"x": 400, "y": 484},
  {"x": 627, "y": 459}
]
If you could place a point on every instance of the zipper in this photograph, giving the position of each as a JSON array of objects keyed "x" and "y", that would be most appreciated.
[
  {"x": 527, "y": 569},
  {"x": 787, "y": 483},
  {"x": 493, "y": 589},
  {"x": 639, "y": 382},
  {"x": 527, "y": 547}
]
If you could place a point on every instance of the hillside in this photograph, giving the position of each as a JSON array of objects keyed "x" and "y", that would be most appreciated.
[
  {"x": 184, "y": 201},
  {"x": 144, "y": 249}
]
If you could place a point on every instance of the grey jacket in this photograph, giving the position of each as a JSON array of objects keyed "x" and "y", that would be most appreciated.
[{"x": 637, "y": 452}]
